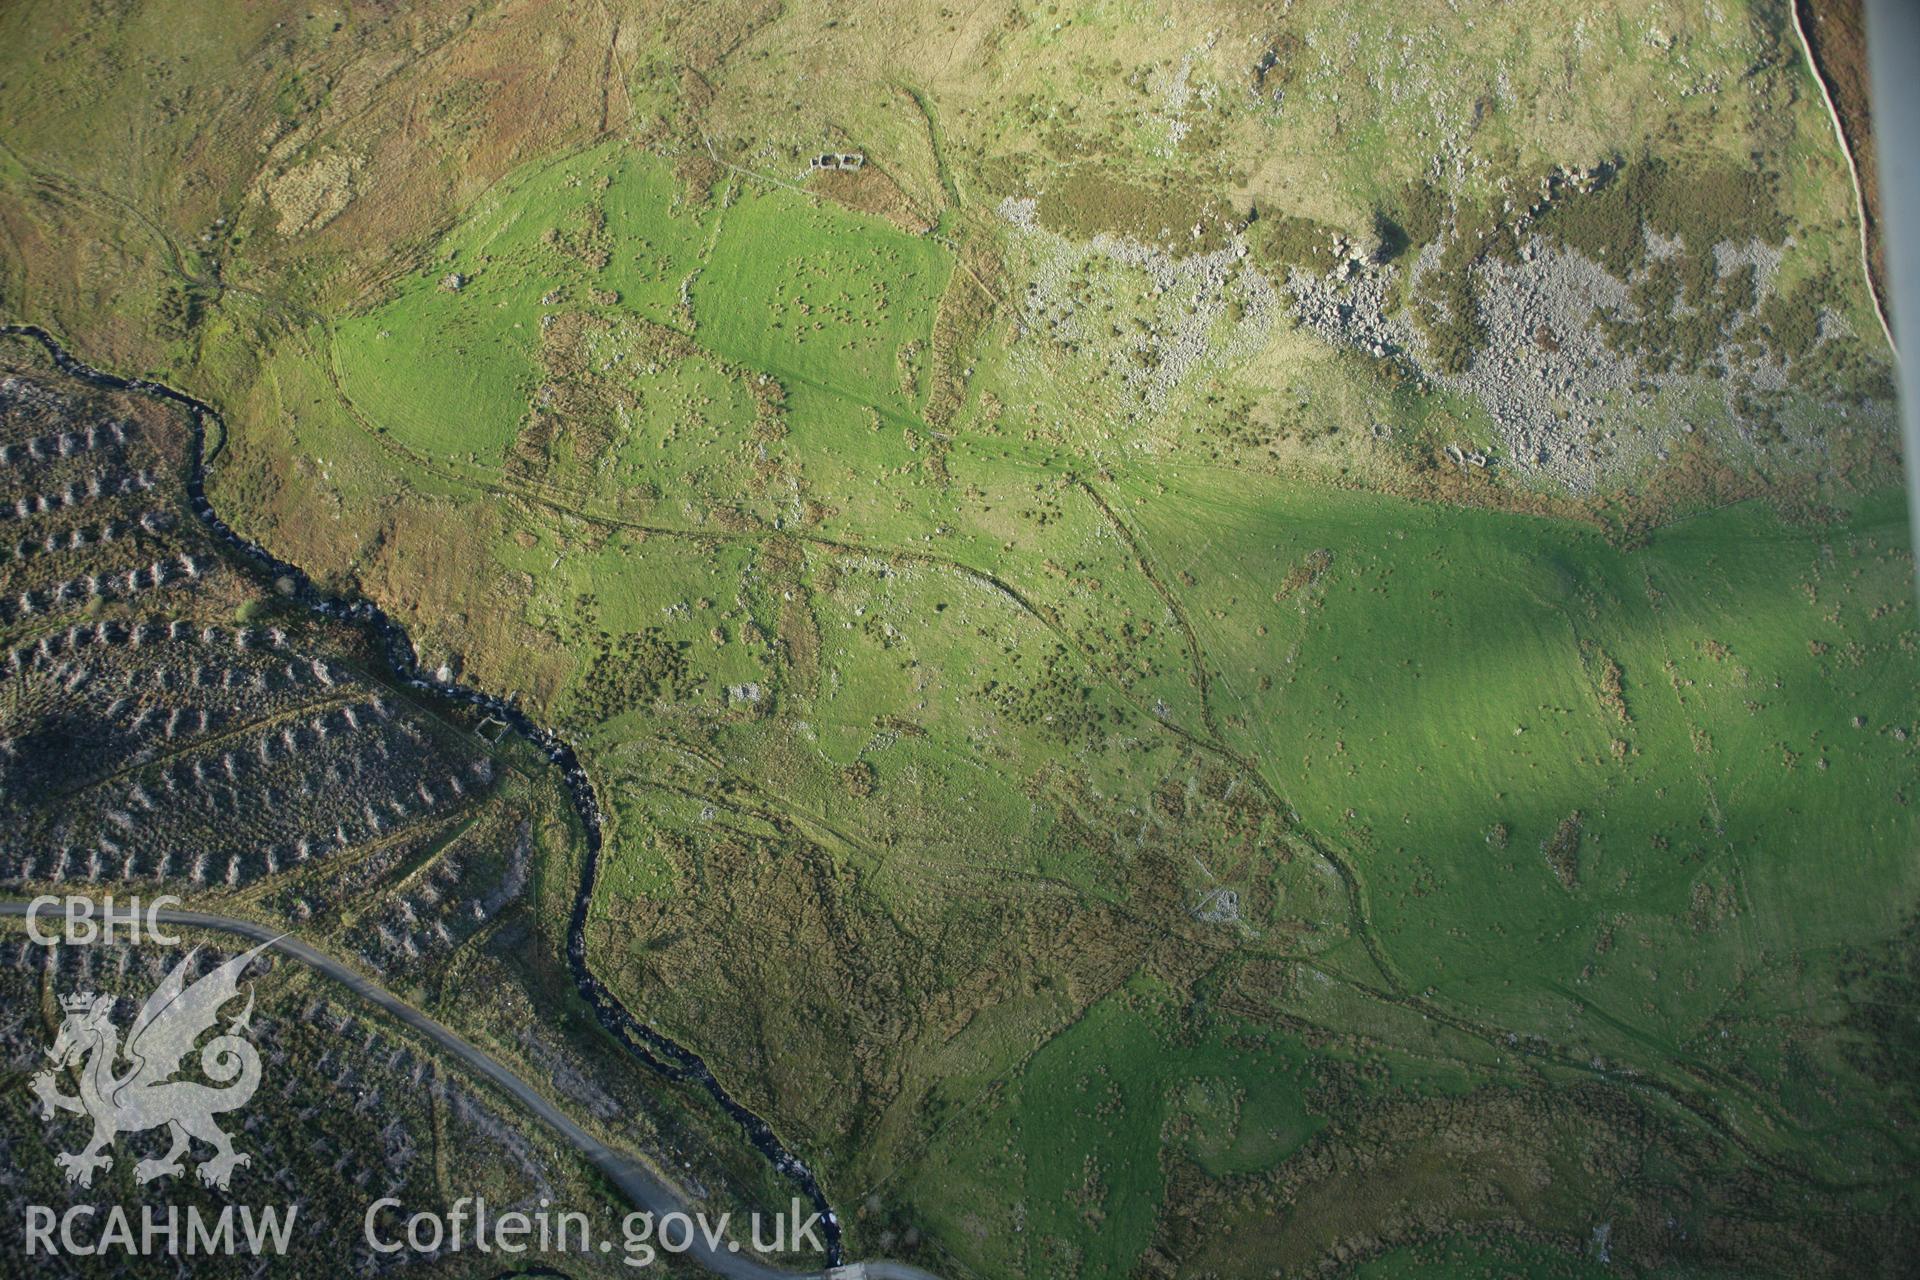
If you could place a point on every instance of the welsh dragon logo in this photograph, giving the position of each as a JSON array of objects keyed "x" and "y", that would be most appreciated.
[{"x": 141, "y": 1095}]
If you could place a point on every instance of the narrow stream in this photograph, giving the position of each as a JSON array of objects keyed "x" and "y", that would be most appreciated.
[{"x": 660, "y": 1053}]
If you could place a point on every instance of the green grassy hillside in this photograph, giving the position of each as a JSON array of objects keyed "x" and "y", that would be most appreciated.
[{"x": 1273, "y": 642}]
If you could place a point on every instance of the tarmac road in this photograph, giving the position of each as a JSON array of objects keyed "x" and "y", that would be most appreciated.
[{"x": 638, "y": 1183}]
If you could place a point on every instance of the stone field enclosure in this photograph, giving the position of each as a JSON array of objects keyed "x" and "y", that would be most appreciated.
[{"x": 1279, "y": 639}]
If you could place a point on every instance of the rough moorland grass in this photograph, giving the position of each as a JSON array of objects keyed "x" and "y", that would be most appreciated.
[
  {"x": 1098, "y": 1101},
  {"x": 450, "y": 371},
  {"x": 1472, "y": 1260},
  {"x": 1373, "y": 658},
  {"x": 809, "y": 294},
  {"x": 1568, "y": 773},
  {"x": 1076, "y": 1139}
]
